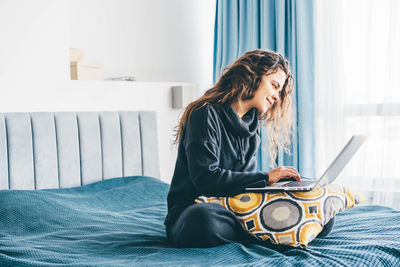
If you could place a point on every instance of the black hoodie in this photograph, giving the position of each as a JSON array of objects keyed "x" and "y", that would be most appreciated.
[{"x": 216, "y": 157}]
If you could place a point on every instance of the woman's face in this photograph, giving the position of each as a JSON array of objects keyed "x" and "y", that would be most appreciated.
[{"x": 268, "y": 91}]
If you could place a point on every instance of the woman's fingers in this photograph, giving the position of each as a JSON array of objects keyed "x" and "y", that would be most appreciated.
[
  {"x": 292, "y": 172},
  {"x": 283, "y": 172},
  {"x": 292, "y": 168},
  {"x": 297, "y": 175}
]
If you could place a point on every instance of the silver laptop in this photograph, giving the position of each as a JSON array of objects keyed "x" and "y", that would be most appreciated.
[{"x": 308, "y": 184}]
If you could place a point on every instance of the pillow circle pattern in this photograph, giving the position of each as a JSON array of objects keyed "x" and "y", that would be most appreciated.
[{"x": 288, "y": 218}]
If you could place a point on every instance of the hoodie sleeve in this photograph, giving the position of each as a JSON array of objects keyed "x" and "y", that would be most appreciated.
[
  {"x": 210, "y": 179},
  {"x": 202, "y": 151}
]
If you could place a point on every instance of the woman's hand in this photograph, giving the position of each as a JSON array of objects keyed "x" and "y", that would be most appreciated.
[{"x": 282, "y": 172}]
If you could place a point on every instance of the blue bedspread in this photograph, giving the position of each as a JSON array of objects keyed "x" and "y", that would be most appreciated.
[{"x": 119, "y": 222}]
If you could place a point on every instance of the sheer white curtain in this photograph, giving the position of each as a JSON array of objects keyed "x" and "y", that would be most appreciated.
[{"x": 358, "y": 91}]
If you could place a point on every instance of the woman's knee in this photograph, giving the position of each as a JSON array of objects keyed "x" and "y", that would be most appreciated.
[
  {"x": 203, "y": 219},
  {"x": 204, "y": 225},
  {"x": 199, "y": 213}
]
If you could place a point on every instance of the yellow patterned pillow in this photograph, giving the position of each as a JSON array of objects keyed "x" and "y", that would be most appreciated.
[{"x": 292, "y": 218}]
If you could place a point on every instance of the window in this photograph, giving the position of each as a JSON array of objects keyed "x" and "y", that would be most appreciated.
[{"x": 358, "y": 90}]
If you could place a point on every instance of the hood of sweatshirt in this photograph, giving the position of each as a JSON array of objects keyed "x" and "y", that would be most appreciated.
[{"x": 244, "y": 127}]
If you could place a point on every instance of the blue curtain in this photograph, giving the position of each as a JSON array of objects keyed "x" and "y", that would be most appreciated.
[{"x": 284, "y": 26}]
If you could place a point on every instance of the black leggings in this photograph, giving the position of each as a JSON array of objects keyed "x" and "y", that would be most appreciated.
[{"x": 210, "y": 224}]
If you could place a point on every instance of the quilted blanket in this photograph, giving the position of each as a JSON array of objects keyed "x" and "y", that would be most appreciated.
[{"x": 119, "y": 222}]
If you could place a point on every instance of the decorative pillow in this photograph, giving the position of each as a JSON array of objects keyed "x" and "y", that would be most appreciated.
[{"x": 292, "y": 218}]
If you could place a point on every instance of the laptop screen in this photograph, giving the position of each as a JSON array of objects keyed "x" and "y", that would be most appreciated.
[{"x": 342, "y": 159}]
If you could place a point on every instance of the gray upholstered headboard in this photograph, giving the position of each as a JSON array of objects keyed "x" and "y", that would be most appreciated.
[{"x": 65, "y": 149}]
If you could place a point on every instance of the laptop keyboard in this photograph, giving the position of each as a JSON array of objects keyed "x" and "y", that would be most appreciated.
[{"x": 296, "y": 183}]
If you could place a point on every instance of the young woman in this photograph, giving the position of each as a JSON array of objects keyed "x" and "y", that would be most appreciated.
[{"x": 218, "y": 137}]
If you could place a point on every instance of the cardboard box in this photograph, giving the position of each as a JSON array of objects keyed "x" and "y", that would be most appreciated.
[
  {"x": 86, "y": 71},
  {"x": 76, "y": 54}
]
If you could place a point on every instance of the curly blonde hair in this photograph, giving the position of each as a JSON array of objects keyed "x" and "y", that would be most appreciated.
[{"x": 240, "y": 81}]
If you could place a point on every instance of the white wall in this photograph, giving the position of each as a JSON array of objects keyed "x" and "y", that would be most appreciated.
[
  {"x": 34, "y": 41},
  {"x": 153, "y": 40},
  {"x": 168, "y": 44}
]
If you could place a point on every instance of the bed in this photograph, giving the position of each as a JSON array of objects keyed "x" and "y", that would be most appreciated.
[{"x": 84, "y": 189}]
